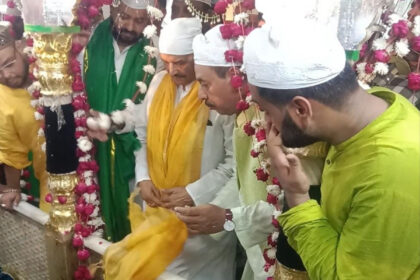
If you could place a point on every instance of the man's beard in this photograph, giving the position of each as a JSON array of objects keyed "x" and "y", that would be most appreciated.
[
  {"x": 292, "y": 136},
  {"x": 124, "y": 36},
  {"x": 24, "y": 77}
]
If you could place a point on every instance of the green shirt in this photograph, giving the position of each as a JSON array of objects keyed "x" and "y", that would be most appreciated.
[{"x": 368, "y": 224}]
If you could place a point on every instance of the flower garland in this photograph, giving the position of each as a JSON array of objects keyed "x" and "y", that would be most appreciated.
[
  {"x": 374, "y": 59},
  {"x": 254, "y": 128},
  {"x": 121, "y": 118},
  {"x": 11, "y": 14}
]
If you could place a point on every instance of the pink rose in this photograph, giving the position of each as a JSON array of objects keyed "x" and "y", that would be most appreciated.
[
  {"x": 78, "y": 84},
  {"x": 236, "y": 81},
  {"x": 226, "y": 31},
  {"x": 381, "y": 56},
  {"x": 254, "y": 153},
  {"x": 77, "y": 241},
  {"x": 220, "y": 7},
  {"x": 48, "y": 198},
  {"x": 83, "y": 254},
  {"x": 31, "y": 59},
  {"x": 237, "y": 30},
  {"x": 242, "y": 105},
  {"x": 261, "y": 174},
  {"x": 369, "y": 68},
  {"x": 414, "y": 81},
  {"x": 30, "y": 42},
  {"x": 76, "y": 48},
  {"x": 276, "y": 181},
  {"x": 83, "y": 21},
  {"x": 234, "y": 56},
  {"x": 9, "y": 18},
  {"x": 11, "y": 4},
  {"x": 415, "y": 43},
  {"x": 260, "y": 135},
  {"x": 271, "y": 199},
  {"x": 400, "y": 29},
  {"x": 248, "y": 129},
  {"x": 248, "y": 4},
  {"x": 93, "y": 11}
]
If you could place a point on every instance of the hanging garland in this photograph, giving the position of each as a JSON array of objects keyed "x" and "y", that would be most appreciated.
[
  {"x": 375, "y": 57},
  {"x": 255, "y": 127}
]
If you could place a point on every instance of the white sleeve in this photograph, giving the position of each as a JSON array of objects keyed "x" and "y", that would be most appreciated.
[
  {"x": 205, "y": 189},
  {"x": 253, "y": 223},
  {"x": 142, "y": 112},
  {"x": 228, "y": 196}
]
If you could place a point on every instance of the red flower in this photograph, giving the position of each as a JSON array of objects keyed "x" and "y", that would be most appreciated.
[
  {"x": 48, "y": 198},
  {"x": 78, "y": 227},
  {"x": 276, "y": 181},
  {"x": 236, "y": 81},
  {"x": 79, "y": 134},
  {"x": 11, "y": 4},
  {"x": 248, "y": 129},
  {"x": 31, "y": 59},
  {"x": 226, "y": 31},
  {"x": 369, "y": 68},
  {"x": 75, "y": 66},
  {"x": 229, "y": 1},
  {"x": 9, "y": 18},
  {"x": 93, "y": 165},
  {"x": 89, "y": 208},
  {"x": 415, "y": 43},
  {"x": 261, "y": 174},
  {"x": 254, "y": 153},
  {"x": 81, "y": 188},
  {"x": 267, "y": 258},
  {"x": 400, "y": 29},
  {"x": 220, "y": 7},
  {"x": 83, "y": 254},
  {"x": 91, "y": 189},
  {"x": 40, "y": 110},
  {"x": 93, "y": 11},
  {"x": 106, "y": 2},
  {"x": 242, "y": 105},
  {"x": 414, "y": 81},
  {"x": 381, "y": 56},
  {"x": 28, "y": 186},
  {"x": 62, "y": 199},
  {"x": 78, "y": 84},
  {"x": 80, "y": 121},
  {"x": 77, "y": 241},
  {"x": 36, "y": 94},
  {"x": 248, "y": 30},
  {"x": 249, "y": 4},
  {"x": 237, "y": 30},
  {"x": 80, "y": 208},
  {"x": 83, "y": 21},
  {"x": 272, "y": 199},
  {"x": 76, "y": 48},
  {"x": 260, "y": 135},
  {"x": 234, "y": 56},
  {"x": 30, "y": 42},
  {"x": 26, "y": 174}
]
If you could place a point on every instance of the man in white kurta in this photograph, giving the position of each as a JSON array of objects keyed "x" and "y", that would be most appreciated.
[{"x": 204, "y": 257}]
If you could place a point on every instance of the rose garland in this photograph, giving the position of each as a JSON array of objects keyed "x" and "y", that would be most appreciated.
[
  {"x": 122, "y": 118},
  {"x": 394, "y": 42},
  {"x": 255, "y": 128}
]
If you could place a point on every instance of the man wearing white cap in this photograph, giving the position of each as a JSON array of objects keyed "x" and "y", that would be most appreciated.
[
  {"x": 114, "y": 61},
  {"x": 253, "y": 218},
  {"x": 186, "y": 153},
  {"x": 299, "y": 77}
]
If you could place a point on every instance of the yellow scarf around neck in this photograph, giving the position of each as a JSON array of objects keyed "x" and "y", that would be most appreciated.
[{"x": 175, "y": 139}]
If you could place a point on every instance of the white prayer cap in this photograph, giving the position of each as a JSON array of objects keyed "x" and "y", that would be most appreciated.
[
  {"x": 177, "y": 37},
  {"x": 209, "y": 49},
  {"x": 292, "y": 55},
  {"x": 137, "y": 4}
]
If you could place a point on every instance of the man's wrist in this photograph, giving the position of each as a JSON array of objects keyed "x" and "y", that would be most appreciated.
[{"x": 295, "y": 199}]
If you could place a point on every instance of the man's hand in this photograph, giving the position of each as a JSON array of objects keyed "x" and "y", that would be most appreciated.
[
  {"x": 96, "y": 132},
  {"x": 149, "y": 193},
  {"x": 10, "y": 199},
  {"x": 288, "y": 169},
  {"x": 202, "y": 219},
  {"x": 176, "y": 197}
]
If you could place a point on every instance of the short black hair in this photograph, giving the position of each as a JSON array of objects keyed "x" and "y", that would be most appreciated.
[
  {"x": 332, "y": 93},
  {"x": 221, "y": 71}
]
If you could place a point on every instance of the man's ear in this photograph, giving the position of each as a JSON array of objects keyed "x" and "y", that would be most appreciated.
[{"x": 300, "y": 110}]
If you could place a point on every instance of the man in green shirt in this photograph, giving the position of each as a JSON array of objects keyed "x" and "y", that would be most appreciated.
[
  {"x": 367, "y": 224},
  {"x": 114, "y": 62}
]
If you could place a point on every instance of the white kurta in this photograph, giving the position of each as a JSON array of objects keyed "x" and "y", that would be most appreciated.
[{"x": 205, "y": 257}]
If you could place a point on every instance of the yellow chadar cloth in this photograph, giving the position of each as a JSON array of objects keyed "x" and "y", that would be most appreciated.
[
  {"x": 19, "y": 136},
  {"x": 175, "y": 138}
]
